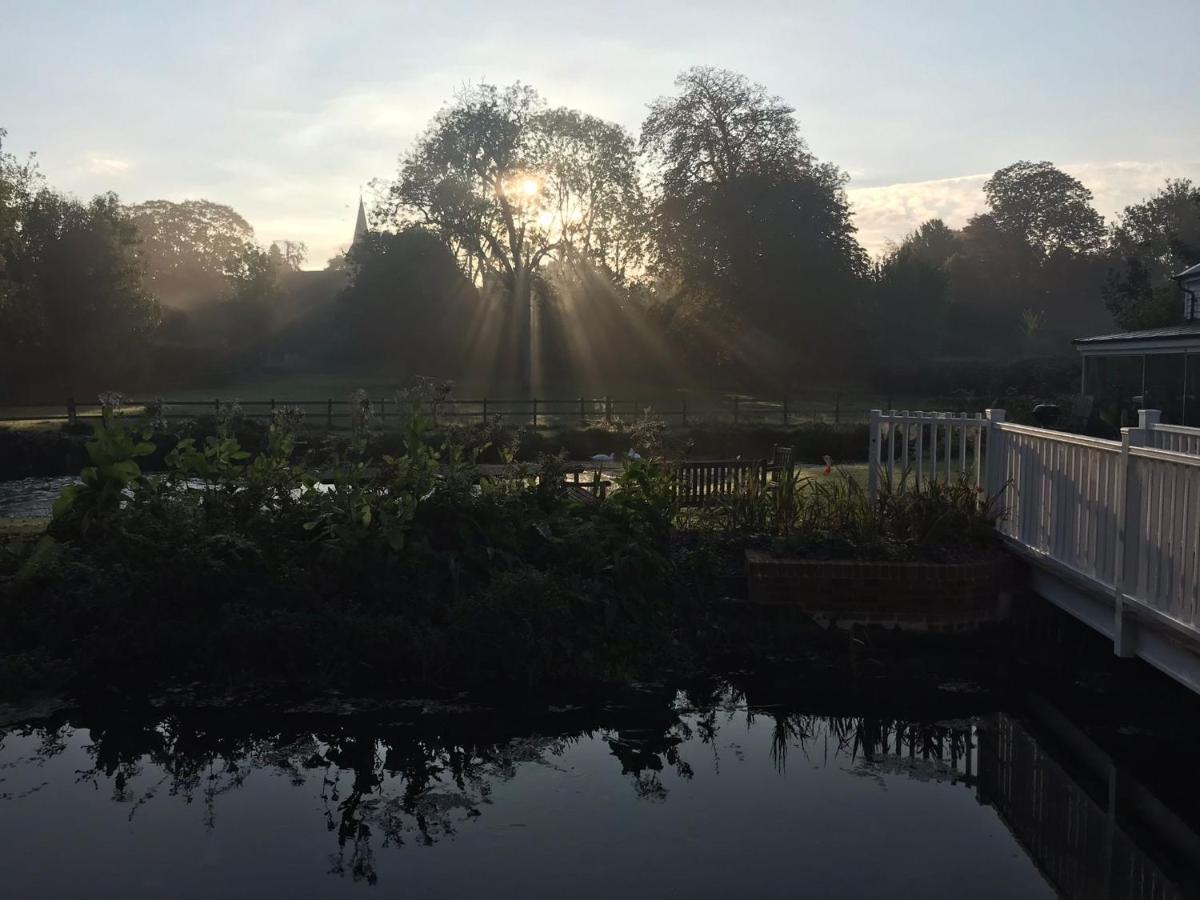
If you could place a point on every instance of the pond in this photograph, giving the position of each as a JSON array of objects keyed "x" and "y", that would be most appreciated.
[{"x": 732, "y": 792}]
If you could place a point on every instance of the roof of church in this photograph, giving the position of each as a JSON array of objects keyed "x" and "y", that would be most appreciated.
[{"x": 360, "y": 225}]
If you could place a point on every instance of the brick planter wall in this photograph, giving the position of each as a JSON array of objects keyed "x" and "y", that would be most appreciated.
[{"x": 917, "y": 596}]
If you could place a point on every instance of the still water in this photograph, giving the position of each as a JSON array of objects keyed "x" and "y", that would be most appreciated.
[{"x": 668, "y": 796}]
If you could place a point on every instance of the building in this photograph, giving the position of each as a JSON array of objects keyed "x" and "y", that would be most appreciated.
[{"x": 1158, "y": 368}]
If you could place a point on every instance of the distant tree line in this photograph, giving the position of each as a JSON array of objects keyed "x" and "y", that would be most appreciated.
[{"x": 535, "y": 245}]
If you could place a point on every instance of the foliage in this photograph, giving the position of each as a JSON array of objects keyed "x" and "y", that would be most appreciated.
[
  {"x": 114, "y": 471},
  {"x": 400, "y": 569},
  {"x": 73, "y": 302},
  {"x": 748, "y": 224},
  {"x": 193, "y": 249},
  {"x": 1049, "y": 210},
  {"x": 830, "y": 516},
  {"x": 1153, "y": 240}
]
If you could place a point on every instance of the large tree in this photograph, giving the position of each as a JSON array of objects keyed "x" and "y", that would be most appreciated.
[
  {"x": 508, "y": 184},
  {"x": 1152, "y": 241},
  {"x": 194, "y": 249},
  {"x": 911, "y": 289},
  {"x": 1029, "y": 269},
  {"x": 221, "y": 289},
  {"x": 1048, "y": 209},
  {"x": 75, "y": 314},
  {"x": 748, "y": 222}
]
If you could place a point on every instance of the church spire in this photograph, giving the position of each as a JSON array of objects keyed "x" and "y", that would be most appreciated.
[{"x": 360, "y": 225}]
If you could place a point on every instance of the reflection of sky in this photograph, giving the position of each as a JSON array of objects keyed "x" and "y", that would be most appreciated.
[
  {"x": 569, "y": 823},
  {"x": 284, "y": 110}
]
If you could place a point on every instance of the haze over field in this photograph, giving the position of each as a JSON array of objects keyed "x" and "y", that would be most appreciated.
[{"x": 284, "y": 112}]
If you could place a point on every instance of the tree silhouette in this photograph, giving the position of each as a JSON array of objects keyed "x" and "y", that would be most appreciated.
[{"x": 509, "y": 184}]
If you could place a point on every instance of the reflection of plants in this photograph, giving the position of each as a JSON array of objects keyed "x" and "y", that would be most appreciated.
[{"x": 384, "y": 788}]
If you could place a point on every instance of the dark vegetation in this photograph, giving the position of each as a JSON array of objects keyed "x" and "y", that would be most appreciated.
[
  {"x": 516, "y": 246},
  {"x": 406, "y": 569}
]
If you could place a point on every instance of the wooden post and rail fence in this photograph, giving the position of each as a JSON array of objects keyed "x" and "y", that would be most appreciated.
[{"x": 832, "y": 408}]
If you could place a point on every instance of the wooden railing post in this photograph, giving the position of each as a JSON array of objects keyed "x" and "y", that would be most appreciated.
[
  {"x": 994, "y": 465},
  {"x": 72, "y": 411},
  {"x": 484, "y": 414},
  {"x": 873, "y": 457},
  {"x": 1148, "y": 420},
  {"x": 535, "y": 412},
  {"x": 329, "y": 414},
  {"x": 1128, "y": 509}
]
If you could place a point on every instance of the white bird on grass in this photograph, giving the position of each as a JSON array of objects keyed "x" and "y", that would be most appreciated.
[
  {"x": 600, "y": 457},
  {"x": 633, "y": 454}
]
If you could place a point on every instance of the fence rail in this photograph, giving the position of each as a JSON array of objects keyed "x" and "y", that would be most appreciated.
[{"x": 833, "y": 408}]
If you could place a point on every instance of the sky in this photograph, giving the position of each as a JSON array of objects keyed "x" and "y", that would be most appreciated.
[{"x": 285, "y": 110}]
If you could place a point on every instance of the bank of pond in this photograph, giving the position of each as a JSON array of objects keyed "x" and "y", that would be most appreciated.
[{"x": 372, "y": 571}]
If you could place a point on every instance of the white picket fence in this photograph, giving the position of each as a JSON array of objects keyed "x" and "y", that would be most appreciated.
[
  {"x": 1124, "y": 516},
  {"x": 909, "y": 449}
]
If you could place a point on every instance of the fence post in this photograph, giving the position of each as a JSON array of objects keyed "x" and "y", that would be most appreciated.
[
  {"x": 217, "y": 407},
  {"x": 1148, "y": 420},
  {"x": 535, "y": 412},
  {"x": 873, "y": 457},
  {"x": 608, "y": 410},
  {"x": 72, "y": 411},
  {"x": 837, "y": 408},
  {"x": 994, "y": 464},
  {"x": 272, "y": 407},
  {"x": 484, "y": 414},
  {"x": 329, "y": 414},
  {"x": 1128, "y": 505},
  {"x": 582, "y": 415}
]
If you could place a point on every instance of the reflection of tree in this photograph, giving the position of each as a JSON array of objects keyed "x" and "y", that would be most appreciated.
[{"x": 387, "y": 786}]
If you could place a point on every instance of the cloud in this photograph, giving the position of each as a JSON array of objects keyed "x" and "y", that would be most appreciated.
[
  {"x": 887, "y": 213},
  {"x": 96, "y": 165}
]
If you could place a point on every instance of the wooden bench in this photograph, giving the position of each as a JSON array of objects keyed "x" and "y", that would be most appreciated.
[{"x": 698, "y": 481}]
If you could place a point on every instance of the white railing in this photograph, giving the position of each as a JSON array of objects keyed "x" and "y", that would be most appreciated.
[
  {"x": 1058, "y": 495},
  {"x": 1124, "y": 515},
  {"x": 1179, "y": 438},
  {"x": 912, "y": 448}
]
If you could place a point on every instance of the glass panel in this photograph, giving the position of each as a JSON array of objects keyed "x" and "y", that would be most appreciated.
[
  {"x": 1116, "y": 384},
  {"x": 1164, "y": 385},
  {"x": 1191, "y": 393}
]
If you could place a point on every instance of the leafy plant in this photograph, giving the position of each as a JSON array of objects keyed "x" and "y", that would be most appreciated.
[{"x": 105, "y": 484}]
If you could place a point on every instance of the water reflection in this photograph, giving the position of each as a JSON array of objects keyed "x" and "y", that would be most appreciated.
[{"x": 707, "y": 797}]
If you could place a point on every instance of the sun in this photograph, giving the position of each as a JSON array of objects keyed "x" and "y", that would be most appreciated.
[{"x": 529, "y": 186}]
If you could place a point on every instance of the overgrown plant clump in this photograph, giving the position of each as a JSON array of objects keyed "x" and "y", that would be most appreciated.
[
  {"x": 829, "y": 515},
  {"x": 405, "y": 569}
]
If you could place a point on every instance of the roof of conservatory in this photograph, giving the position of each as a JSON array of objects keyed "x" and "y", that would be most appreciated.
[{"x": 1172, "y": 333}]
